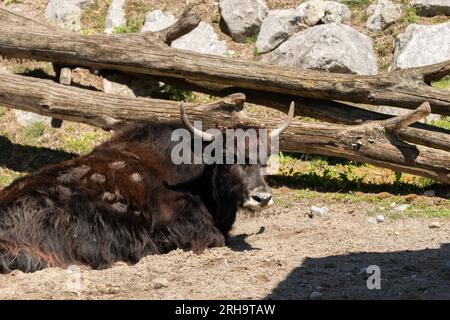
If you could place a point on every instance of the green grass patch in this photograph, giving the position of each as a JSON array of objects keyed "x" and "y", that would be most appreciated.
[
  {"x": 168, "y": 92},
  {"x": 410, "y": 15},
  {"x": 251, "y": 39},
  {"x": 83, "y": 144},
  {"x": 133, "y": 26},
  {"x": 357, "y": 4},
  {"x": 443, "y": 123},
  {"x": 2, "y": 111},
  {"x": 33, "y": 131},
  {"x": 443, "y": 84}
]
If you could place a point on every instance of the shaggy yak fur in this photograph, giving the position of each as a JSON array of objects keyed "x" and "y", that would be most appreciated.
[{"x": 122, "y": 202}]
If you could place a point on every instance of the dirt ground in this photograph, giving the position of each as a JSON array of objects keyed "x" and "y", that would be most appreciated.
[{"x": 280, "y": 253}]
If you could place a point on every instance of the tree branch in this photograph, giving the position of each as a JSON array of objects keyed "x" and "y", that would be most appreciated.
[
  {"x": 367, "y": 142},
  {"x": 22, "y": 38}
]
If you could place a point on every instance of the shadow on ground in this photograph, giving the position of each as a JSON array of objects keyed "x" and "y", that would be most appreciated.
[
  {"x": 27, "y": 158},
  {"x": 423, "y": 274}
]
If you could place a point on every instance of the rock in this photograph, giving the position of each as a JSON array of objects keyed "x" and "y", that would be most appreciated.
[
  {"x": 315, "y": 295},
  {"x": 383, "y": 14},
  {"x": 317, "y": 211},
  {"x": 372, "y": 220},
  {"x": 160, "y": 283},
  {"x": 243, "y": 18},
  {"x": 128, "y": 86},
  {"x": 380, "y": 218},
  {"x": 429, "y": 193},
  {"x": 276, "y": 28},
  {"x": 115, "y": 17},
  {"x": 26, "y": 119},
  {"x": 429, "y": 8},
  {"x": 403, "y": 207},
  {"x": 421, "y": 45},
  {"x": 157, "y": 20},
  {"x": 66, "y": 13},
  {"x": 328, "y": 47},
  {"x": 384, "y": 195},
  {"x": 315, "y": 11},
  {"x": 202, "y": 39},
  {"x": 393, "y": 205},
  {"x": 410, "y": 197},
  {"x": 434, "y": 225}
]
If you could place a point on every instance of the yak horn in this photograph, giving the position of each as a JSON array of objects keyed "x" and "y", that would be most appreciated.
[
  {"x": 199, "y": 133},
  {"x": 275, "y": 133}
]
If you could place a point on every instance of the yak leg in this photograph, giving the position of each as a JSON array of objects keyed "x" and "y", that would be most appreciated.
[{"x": 14, "y": 257}]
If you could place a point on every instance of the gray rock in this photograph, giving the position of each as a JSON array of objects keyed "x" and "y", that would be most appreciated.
[
  {"x": 429, "y": 8},
  {"x": 328, "y": 47},
  {"x": 421, "y": 45},
  {"x": 383, "y": 14},
  {"x": 66, "y": 13},
  {"x": 315, "y": 11},
  {"x": 243, "y": 18},
  {"x": 26, "y": 119},
  {"x": 115, "y": 17},
  {"x": 434, "y": 225},
  {"x": 318, "y": 211},
  {"x": 202, "y": 39},
  {"x": 157, "y": 20},
  {"x": 276, "y": 28},
  {"x": 128, "y": 86},
  {"x": 380, "y": 218},
  {"x": 160, "y": 283},
  {"x": 429, "y": 193}
]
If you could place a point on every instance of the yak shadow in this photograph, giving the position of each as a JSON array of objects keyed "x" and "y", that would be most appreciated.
[
  {"x": 422, "y": 274},
  {"x": 27, "y": 158},
  {"x": 239, "y": 242}
]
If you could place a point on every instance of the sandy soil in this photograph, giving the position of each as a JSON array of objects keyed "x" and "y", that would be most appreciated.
[{"x": 281, "y": 253}]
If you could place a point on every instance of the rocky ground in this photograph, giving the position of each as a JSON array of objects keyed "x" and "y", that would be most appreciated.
[
  {"x": 281, "y": 253},
  {"x": 399, "y": 223}
]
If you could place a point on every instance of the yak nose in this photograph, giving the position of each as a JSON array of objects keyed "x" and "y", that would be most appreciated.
[{"x": 262, "y": 198}]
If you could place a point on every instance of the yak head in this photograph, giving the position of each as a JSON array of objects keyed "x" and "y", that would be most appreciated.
[{"x": 236, "y": 162}]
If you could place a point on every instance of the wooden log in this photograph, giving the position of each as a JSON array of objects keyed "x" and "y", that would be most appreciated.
[
  {"x": 23, "y": 37},
  {"x": 329, "y": 111},
  {"x": 374, "y": 142}
]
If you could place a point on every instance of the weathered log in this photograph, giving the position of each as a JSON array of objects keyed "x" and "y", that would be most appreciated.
[
  {"x": 375, "y": 142},
  {"x": 329, "y": 111},
  {"x": 22, "y": 37}
]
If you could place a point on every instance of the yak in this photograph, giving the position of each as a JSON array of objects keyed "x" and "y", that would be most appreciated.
[{"x": 126, "y": 200}]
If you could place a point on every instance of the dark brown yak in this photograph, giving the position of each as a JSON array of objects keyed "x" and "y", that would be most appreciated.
[{"x": 124, "y": 201}]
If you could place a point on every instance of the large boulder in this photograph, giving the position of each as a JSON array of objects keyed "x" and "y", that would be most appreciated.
[
  {"x": 25, "y": 118},
  {"x": 243, "y": 18},
  {"x": 115, "y": 17},
  {"x": 202, "y": 39},
  {"x": 129, "y": 86},
  {"x": 429, "y": 8},
  {"x": 276, "y": 28},
  {"x": 329, "y": 47},
  {"x": 317, "y": 12},
  {"x": 383, "y": 14},
  {"x": 157, "y": 20},
  {"x": 66, "y": 13},
  {"x": 421, "y": 45}
]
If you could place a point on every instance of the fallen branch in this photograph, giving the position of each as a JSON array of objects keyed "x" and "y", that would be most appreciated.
[
  {"x": 329, "y": 111},
  {"x": 22, "y": 37},
  {"x": 374, "y": 142}
]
